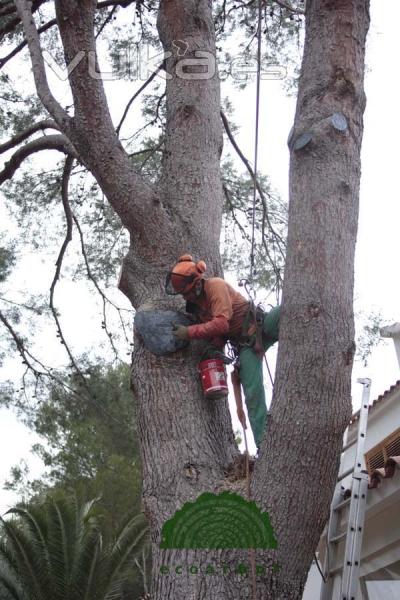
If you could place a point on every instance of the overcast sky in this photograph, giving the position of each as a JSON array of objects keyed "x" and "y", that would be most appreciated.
[{"x": 377, "y": 279}]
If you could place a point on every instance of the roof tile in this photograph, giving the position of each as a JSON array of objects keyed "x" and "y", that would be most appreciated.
[{"x": 378, "y": 400}]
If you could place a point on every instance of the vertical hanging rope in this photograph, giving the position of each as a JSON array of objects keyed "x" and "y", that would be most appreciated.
[
  {"x": 258, "y": 89},
  {"x": 253, "y": 228}
]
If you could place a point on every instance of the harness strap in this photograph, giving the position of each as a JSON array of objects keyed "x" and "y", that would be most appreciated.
[{"x": 254, "y": 314}]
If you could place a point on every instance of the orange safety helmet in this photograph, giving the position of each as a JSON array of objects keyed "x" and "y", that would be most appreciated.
[{"x": 184, "y": 275}]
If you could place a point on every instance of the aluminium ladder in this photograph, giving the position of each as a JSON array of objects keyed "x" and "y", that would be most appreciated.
[{"x": 355, "y": 526}]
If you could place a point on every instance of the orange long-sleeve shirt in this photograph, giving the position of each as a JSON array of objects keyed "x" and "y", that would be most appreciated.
[{"x": 221, "y": 310}]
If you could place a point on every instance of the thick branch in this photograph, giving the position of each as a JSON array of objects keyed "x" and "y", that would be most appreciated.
[
  {"x": 21, "y": 137},
  {"x": 93, "y": 133},
  {"x": 49, "y": 142},
  {"x": 24, "y": 8}
]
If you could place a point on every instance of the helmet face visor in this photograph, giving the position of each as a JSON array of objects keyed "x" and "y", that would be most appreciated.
[{"x": 178, "y": 284}]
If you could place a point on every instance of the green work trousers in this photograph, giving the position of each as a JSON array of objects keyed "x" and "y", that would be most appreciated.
[{"x": 251, "y": 375}]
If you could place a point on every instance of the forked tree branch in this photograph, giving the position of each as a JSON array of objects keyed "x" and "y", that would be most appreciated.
[
  {"x": 24, "y": 8},
  {"x": 21, "y": 137},
  {"x": 48, "y": 142}
]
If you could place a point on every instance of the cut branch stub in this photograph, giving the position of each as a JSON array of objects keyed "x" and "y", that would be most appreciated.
[
  {"x": 302, "y": 141},
  {"x": 155, "y": 329},
  {"x": 339, "y": 121}
]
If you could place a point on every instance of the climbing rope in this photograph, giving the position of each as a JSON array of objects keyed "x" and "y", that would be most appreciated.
[
  {"x": 253, "y": 228},
  {"x": 256, "y": 136}
]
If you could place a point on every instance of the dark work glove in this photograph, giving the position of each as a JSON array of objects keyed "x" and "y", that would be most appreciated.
[{"x": 180, "y": 331}]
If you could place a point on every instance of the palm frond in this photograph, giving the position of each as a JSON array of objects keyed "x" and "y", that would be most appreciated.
[
  {"x": 25, "y": 553},
  {"x": 35, "y": 520},
  {"x": 11, "y": 586},
  {"x": 131, "y": 539}
]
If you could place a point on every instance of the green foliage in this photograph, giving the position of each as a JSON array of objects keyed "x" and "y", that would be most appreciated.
[
  {"x": 369, "y": 326},
  {"x": 90, "y": 448},
  {"x": 90, "y": 443},
  {"x": 18, "y": 110},
  {"x": 58, "y": 549}
]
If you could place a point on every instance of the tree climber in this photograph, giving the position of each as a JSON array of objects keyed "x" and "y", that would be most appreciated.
[{"x": 223, "y": 315}]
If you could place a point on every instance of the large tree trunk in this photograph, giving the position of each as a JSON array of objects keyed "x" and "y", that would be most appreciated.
[
  {"x": 295, "y": 476},
  {"x": 187, "y": 442}
]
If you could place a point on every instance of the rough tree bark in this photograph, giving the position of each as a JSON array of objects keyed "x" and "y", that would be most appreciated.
[
  {"x": 186, "y": 442},
  {"x": 312, "y": 395}
]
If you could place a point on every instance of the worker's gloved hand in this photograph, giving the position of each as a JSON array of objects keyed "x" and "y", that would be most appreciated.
[{"x": 180, "y": 332}]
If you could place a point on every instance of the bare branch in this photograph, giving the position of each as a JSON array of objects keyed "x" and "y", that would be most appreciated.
[
  {"x": 31, "y": 364},
  {"x": 19, "y": 344},
  {"x": 68, "y": 237},
  {"x": 152, "y": 153},
  {"x": 22, "y": 45},
  {"x": 21, "y": 137},
  {"x": 13, "y": 23},
  {"x": 68, "y": 215},
  {"x": 51, "y": 24},
  {"x": 278, "y": 238},
  {"x": 32, "y": 308},
  {"x": 39, "y": 72},
  {"x": 104, "y": 298},
  {"x": 30, "y": 361},
  {"x": 227, "y": 194},
  {"x": 136, "y": 94},
  {"x": 106, "y": 21},
  {"x": 49, "y": 142}
]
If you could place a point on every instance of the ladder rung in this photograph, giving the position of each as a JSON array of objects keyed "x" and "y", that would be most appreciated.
[
  {"x": 349, "y": 445},
  {"x": 349, "y": 471},
  {"x": 337, "y": 538},
  {"x": 342, "y": 504}
]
